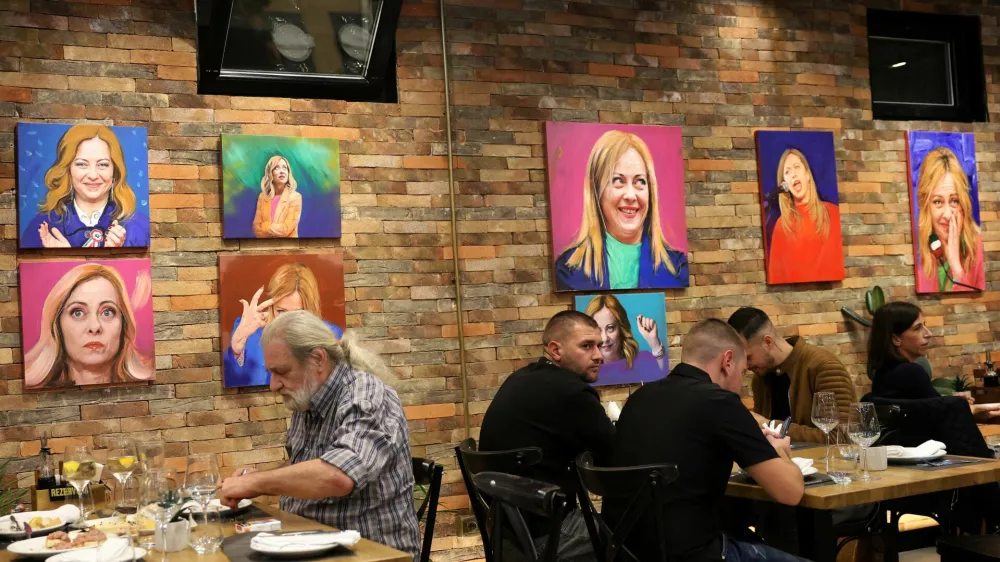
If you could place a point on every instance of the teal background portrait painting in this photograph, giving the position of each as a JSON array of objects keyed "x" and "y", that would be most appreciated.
[{"x": 280, "y": 187}]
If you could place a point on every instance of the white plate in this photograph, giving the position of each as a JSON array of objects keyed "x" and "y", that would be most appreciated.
[
  {"x": 222, "y": 508},
  {"x": 296, "y": 551},
  {"x": 810, "y": 471},
  {"x": 35, "y": 548},
  {"x": 67, "y": 516},
  {"x": 915, "y": 460},
  {"x": 125, "y": 556}
]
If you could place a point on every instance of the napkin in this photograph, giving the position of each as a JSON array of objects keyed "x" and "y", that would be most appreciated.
[
  {"x": 614, "y": 412},
  {"x": 926, "y": 449},
  {"x": 803, "y": 463},
  {"x": 272, "y": 541},
  {"x": 67, "y": 513}
]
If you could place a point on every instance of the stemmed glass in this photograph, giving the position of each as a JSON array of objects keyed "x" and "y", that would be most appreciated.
[
  {"x": 160, "y": 496},
  {"x": 152, "y": 454},
  {"x": 864, "y": 430},
  {"x": 201, "y": 481},
  {"x": 79, "y": 468},
  {"x": 825, "y": 416},
  {"x": 122, "y": 463}
]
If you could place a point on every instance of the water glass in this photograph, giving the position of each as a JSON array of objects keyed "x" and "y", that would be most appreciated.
[
  {"x": 206, "y": 537},
  {"x": 864, "y": 430},
  {"x": 843, "y": 461}
]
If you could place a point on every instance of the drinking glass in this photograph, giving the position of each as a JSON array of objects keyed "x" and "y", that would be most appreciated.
[
  {"x": 152, "y": 454},
  {"x": 864, "y": 430},
  {"x": 122, "y": 463},
  {"x": 202, "y": 478},
  {"x": 825, "y": 416},
  {"x": 842, "y": 462},
  {"x": 160, "y": 497},
  {"x": 79, "y": 468},
  {"x": 206, "y": 537}
]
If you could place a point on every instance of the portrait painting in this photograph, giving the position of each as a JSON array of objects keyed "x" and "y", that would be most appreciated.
[
  {"x": 255, "y": 289},
  {"x": 86, "y": 323},
  {"x": 944, "y": 207},
  {"x": 633, "y": 335},
  {"x": 280, "y": 187},
  {"x": 82, "y": 186},
  {"x": 616, "y": 201},
  {"x": 800, "y": 207}
]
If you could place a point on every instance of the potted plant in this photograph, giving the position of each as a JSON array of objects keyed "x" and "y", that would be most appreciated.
[
  {"x": 10, "y": 494},
  {"x": 951, "y": 386}
]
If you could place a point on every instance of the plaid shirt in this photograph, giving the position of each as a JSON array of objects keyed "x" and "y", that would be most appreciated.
[{"x": 356, "y": 423}]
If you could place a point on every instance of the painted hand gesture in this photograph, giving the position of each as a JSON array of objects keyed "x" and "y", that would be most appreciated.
[
  {"x": 51, "y": 237},
  {"x": 953, "y": 249},
  {"x": 254, "y": 317},
  {"x": 647, "y": 329},
  {"x": 116, "y": 236}
]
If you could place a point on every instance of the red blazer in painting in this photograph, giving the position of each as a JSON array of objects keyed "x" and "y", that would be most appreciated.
[{"x": 803, "y": 255}]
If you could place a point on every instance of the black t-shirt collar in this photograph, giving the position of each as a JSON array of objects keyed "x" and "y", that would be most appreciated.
[{"x": 690, "y": 371}]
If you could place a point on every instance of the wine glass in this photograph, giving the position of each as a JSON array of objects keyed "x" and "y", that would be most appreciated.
[
  {"x": 864, "y": 430},
  {"x": 825, "y": 416},
  {"x": 122, "y": 463},
  {"x": 152, "y": 454},
  {"x": 160, "y": 497},
  {"x": 79, "y": 468},
  {"x": 201, "y": 480}
]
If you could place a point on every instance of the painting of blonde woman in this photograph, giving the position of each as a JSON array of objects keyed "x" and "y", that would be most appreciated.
[
  {"x": 280, "y": 187},
  {"x": 616, "y": 201},
  {"x": 944, "y": 202},
  {"x": 633, "y": 336},
  {"x": 256, "y": 289},
  {"x": 797, "y": 171},
  {"x": 86, "y": 323},
  {"x": 82, "y": 186}
]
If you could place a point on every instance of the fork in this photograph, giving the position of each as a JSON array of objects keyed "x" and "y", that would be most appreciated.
[{"x": 14, "y": 525}]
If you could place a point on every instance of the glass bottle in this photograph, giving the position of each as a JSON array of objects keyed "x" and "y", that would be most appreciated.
[{"x": 46, "y": 472}]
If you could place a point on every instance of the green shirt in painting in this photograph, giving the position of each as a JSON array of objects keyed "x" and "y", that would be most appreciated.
[{"x": 623, "y": 263}]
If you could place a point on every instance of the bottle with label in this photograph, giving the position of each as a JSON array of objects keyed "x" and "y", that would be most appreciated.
[
  {"x": 990, "y": 378},
  {"x": 46, "y": 472}
]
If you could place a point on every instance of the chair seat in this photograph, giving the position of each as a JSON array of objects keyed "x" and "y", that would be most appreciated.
[{"x": 969, "y": 549}]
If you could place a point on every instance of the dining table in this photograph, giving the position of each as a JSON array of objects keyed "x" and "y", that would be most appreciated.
[
  {"x": 817, "y": 537},
  {"x": 364, "y": 551}
]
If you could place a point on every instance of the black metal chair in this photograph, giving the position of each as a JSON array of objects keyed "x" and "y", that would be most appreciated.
[
  {"x": 641, "y": 488},
  {"x": 428, "y": 473},
  {"x": 472, "y": 461},
  {"x": 510, "y": 496}
]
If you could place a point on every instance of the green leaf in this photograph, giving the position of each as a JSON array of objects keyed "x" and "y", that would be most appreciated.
[{"x": 879, "y": 297}]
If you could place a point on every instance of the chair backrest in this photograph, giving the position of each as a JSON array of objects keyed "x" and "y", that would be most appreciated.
[
  {"x": 472, "y": 461},
  {"x": 511, "y": 496},
  {"x": 890, "y": 419},
  {"x": 638, "y": 488},
  {"x": 428, "y": 473}
]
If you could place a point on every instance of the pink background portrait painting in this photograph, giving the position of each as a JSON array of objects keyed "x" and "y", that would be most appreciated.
[
  {"x": 568, "y": 148},
  {"x": 38, "y": 278}
]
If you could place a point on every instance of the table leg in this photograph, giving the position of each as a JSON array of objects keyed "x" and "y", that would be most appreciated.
[{"x": 817, "y": 541}]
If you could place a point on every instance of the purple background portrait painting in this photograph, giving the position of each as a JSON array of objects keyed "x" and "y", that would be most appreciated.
[{"x": 645, "y": 367}]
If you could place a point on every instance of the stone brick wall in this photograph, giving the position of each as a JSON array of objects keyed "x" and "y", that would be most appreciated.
[{"x": 719, "y": 69}]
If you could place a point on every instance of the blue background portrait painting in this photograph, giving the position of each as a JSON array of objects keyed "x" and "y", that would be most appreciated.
[
  {"x": 66, "y": 173},
  {"x": 252, "y": 209},
  {"x": 919, "y": 143},
  {"x": 607, "y": 310}
]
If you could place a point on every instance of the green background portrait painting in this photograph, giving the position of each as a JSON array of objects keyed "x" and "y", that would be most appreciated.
[{"x": 290, "y": 182}]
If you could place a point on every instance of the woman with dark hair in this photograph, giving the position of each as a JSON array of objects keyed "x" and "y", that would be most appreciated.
[{"x": 898, "y": 337}]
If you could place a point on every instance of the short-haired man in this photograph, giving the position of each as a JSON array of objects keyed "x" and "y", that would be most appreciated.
[
  {"x": 348, "y": 446},
  {"x": 787, "y": 373},
  {"x": 694, "y": 419},
  {"x": 550, "y": 404}
]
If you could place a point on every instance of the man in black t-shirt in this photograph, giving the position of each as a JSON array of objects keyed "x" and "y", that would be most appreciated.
[
  {"x": 550, "y": 404},
  {"x": 694, "y": 419}
]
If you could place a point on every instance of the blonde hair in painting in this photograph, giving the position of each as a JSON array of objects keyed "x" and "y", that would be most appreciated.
[
  {"x": 629, "y": 347},
  {"x": 59, "y": 182},
  {"x": 815, "y": 208},
  {"x": 293, "y": 278},
  {"x": 936, "y": 165},
  {"x": 45, "y": 363},
  {"x": 588, "y": 248},
  {"x": 267, "y": 183}
]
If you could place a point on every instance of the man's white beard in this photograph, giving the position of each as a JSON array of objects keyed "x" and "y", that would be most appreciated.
[{"x": 298, "y": 400}]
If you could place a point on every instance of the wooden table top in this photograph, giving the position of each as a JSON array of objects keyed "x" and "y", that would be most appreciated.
[
  {"x": 896, "y": 482},
  {"x": 364, "y": 551}
]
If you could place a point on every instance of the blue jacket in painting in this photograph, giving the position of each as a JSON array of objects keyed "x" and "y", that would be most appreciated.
[
  {"x": 253, "y": 372},
  {"x": 136, "y": 228},
  {"x": 569, "y": 279}
]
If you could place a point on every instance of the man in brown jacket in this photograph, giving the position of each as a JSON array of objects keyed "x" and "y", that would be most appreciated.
[{"x": 787, "y": 373}]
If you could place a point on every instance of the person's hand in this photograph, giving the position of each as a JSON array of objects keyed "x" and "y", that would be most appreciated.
[
  {"x": 51, "y": 237},
  {"x": 116, "y": 236},
  {"x": 254, "y": 317},
  {"x": 953, "y": 249},
  {"x": 647, "y": 329},
  {"x": 236, "y": 488},
  {"x": 783, "y": 445},
  {"x": 968, "y": 397},
  {"x": 986, "y": 411},
  {"x": 761, "y": 420},
  {"x": 278, "y": 229}
]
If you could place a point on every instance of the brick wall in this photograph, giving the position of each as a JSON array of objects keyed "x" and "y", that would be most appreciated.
[{"x": 719, "y": 69}]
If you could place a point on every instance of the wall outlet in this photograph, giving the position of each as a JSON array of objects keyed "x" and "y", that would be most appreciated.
[{"x": 468, "y": 526}]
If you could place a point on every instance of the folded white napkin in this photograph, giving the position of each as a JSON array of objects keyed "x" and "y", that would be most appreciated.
[
  {"x": 614, "y": 412},
  {"x": 272, "y": 541},
  {"x": 803, "y": 463},
  {"x": 67, "y": 513},
  {"x": 926, "y": 449}
]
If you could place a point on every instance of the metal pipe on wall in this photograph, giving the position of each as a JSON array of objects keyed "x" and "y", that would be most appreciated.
[{"x": 454, "y": 226}]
